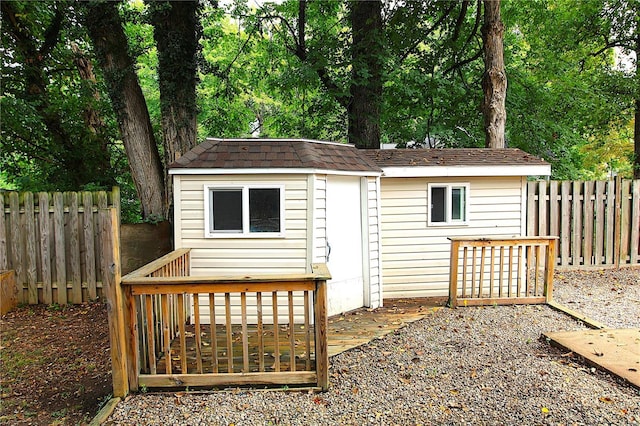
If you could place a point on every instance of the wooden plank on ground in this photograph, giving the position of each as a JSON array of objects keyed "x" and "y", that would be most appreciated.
[
  {"x": 229, "y": 379},
  {"x": 613, "y": 350}
]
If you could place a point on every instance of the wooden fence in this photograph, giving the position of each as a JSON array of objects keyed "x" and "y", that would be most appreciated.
[
  {"x": 597, "y": 222},
  {"x": 497, "y": 271},
  {"x": 159, "y": 340},
  {"x": 53, "y": 242}
]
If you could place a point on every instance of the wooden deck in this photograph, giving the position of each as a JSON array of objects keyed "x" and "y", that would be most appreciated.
[{"x": 346, "y": 331}]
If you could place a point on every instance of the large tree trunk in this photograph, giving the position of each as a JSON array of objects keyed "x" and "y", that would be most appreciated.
[
  {"x": 494, "y": 80},
  {"x": 367, "y": 66},
  {"x": 110, "y": 43},
  {"x": 175, "y": 30},
  {"x": 175, "y": 27}
]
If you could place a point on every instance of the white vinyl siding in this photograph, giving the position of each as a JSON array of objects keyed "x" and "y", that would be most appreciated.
[
  {"x": 234, "y": 256},
  {"x": 372, "y": 269},
  {"x": 415, "y": 256}
]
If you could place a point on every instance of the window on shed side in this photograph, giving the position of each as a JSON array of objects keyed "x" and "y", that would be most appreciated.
[
  {"x": 448, "y": 204},
  {"x": 245, "y": 210}
]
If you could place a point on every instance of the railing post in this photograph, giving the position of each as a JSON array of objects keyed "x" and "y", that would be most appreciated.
[
  {"x": 132, "y": 348},
  {"x": 321, "y": 325},
  {"x": 549, "y": 268},
  {"x": 453, "y": 275},
  {"x": 115, "y": 301}
]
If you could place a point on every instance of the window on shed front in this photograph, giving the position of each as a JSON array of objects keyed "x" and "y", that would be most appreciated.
[
  {"x": 448, "y": 204},
  {"x": 245, "y": 211}
]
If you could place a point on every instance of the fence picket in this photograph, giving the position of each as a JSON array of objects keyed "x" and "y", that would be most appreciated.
[
  {"x": 565, "y": 227},
  {"x": 625, "y": 220},
  {"x": 588, "y": 223},
  {"x": 30, "y": 248},
  {"x": 16, "y": 242},
  {"x": 45, "y": 245},
  {"x": 74, "y": 243},
  {"x": 89, "y": 242},
  {"x": 599, "y": 210}
]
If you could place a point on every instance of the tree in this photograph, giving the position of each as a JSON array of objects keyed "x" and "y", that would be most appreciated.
[
  {"x": 45, "y": 143},
  {"x": 494, "y": 80},
  {"x": 367, "y": 52},
  {"x": 110, "y": 43}
]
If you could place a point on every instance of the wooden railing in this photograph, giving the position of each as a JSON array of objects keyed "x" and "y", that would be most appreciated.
[
  {"x": 262, "y": 330},
  {"x": 488, "y": 271}
]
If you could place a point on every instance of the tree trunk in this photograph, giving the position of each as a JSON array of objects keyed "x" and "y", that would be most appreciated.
[
  {"x": 367, "y": 66},
  {"x": 494, "y": 80},
  {"x": 110, "y": 43},
  {"x": 175, "y": 27},
  {"x": 175, "y": 30}
]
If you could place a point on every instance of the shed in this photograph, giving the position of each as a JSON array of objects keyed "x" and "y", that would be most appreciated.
[
  {"x": 429, "y": 195},
  {"x": 277, "y": 206}
]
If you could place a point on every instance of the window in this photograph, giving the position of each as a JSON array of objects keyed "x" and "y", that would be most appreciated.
[
  {"x": 448, "y": 204},
  {"x": 252, "y": 210}
]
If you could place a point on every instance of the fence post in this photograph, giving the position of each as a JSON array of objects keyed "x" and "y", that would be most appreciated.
[
  {"x": 115, "y": 299},
  {"x": 321, "y": 326},
  {"x": 453, "y": 275},
  {"x": 548, "y": 269}
]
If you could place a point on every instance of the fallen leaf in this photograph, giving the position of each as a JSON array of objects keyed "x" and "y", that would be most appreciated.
[
  {"x": 606, "y": 399},
  {"x": 545, "y": 410}
]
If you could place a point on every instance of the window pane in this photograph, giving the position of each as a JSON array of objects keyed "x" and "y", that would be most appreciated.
[
  {"x": 227, "y": 209},
  {"x": 458, "y": 203},
  {"x": 264, "y": 210},
  {"x": 438, "y": 204}
]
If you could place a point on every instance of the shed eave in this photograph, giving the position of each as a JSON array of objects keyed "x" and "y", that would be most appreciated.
[
  {"x": 268, "y": 171},
  {"x": 472, "y": 171}
]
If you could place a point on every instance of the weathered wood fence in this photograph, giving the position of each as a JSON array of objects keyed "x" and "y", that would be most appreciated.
[
  {"x": 53, "y": 242},
  {"x": 488, "y": 271},
  {"x": 597, "y": 222}
]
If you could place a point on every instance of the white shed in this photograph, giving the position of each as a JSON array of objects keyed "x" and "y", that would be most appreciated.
[
  {"x": 428, "y": 195},
  {"x": 277, "y": 206}
]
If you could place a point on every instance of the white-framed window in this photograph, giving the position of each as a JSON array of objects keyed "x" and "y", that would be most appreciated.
[
  {"x": 448, "y": 204},
  {"x": 255, "y": 211}
]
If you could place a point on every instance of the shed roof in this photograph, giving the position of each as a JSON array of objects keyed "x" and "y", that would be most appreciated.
[
  {"x": 274, "y": 154},
  {"x": 458, "y": 162}
]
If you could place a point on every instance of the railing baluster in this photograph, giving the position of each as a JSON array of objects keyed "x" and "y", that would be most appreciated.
[
  {"x": 196, "y": 316},
  {"x": 245, "y": 335},
  {"x": 510, "y": 273},
  {"x": 491, "y": 270},
  {"x": 482, "y": 260},
  {"x": 465, "y": 257},
  {"x": 276, "y": 332},
  {"x": 183, "y": 334},
  {"x": 227, "y": 305},
  {"x": 537, "y": 266},
  {"x": 501, "y": 274},
  {"x": 214, "y": 334},
  {"x": 260, "y": 332},
  {"x": 520, "y": 269},
  {"x": 292, "y": 334},
  {"x": 473, "y": 270},
  {"x": 167, "y": 338},
  {"x": 307, "y": 332},
  {"x": 151, "y": 346}
]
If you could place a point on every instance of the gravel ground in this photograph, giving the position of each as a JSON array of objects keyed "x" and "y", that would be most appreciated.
[{"x": 480, "y": 366}]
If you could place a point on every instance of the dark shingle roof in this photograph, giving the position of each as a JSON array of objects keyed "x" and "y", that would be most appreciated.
[
  {"x": 452, "y": 157},
  {"x": 275, "y": 153}
]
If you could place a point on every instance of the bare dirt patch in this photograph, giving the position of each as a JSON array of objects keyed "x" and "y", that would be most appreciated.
[{"x": 55, "y": 366}]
